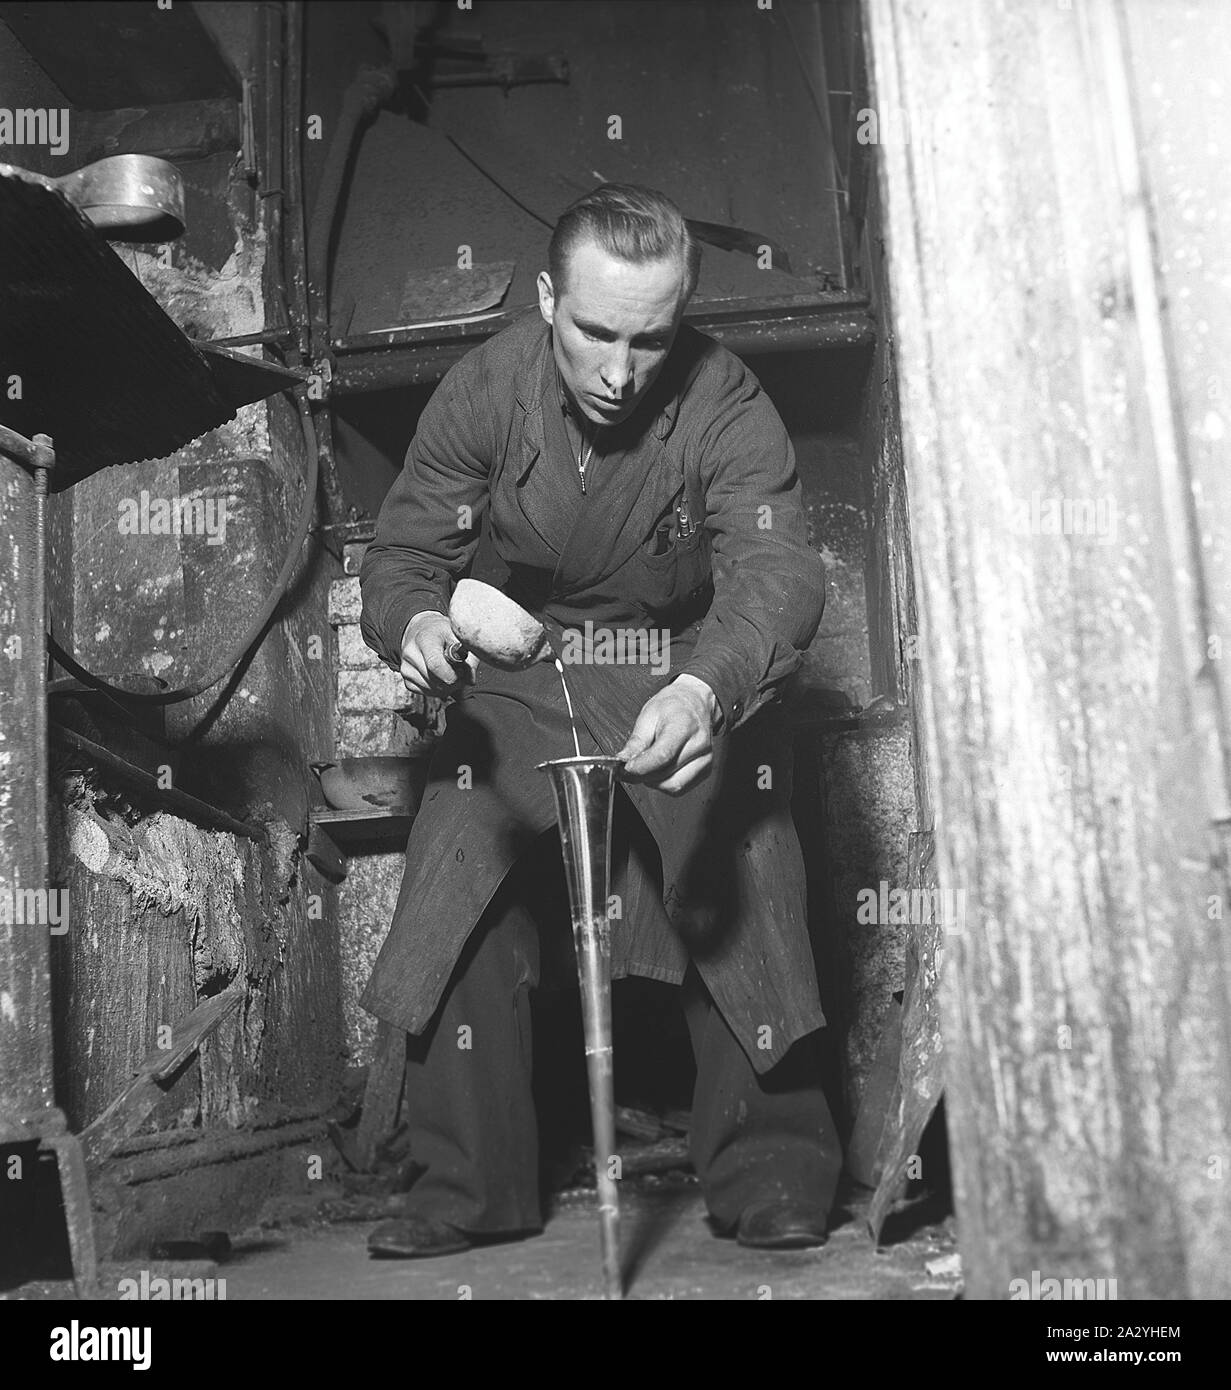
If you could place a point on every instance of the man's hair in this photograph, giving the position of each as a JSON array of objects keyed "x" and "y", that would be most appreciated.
[{"x": 633, "y": 223}]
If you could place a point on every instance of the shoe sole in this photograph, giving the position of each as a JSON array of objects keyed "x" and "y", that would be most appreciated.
[
  {"x": 799, "y": 1242},
  {"x": 393, "y": 1252}
]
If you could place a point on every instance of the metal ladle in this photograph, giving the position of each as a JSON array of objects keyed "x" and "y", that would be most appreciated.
[
  {"x": 495, "y": 628},
  {"x": 128, "y": 197}
]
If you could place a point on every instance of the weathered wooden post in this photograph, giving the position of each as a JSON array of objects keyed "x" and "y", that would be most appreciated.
[
  {"x": 27, "y": 1103},
  {"x": 1057, "y": 222}
]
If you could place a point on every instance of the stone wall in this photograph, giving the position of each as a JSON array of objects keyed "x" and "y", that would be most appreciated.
[{"x": 376, "y": 716}]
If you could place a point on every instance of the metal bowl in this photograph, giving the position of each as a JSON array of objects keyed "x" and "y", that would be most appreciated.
[
  {"x": 130, "y": 197},
  {"x": 384, "y": 783}
]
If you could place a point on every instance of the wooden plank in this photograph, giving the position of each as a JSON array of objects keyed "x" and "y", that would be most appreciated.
[
  {"x": 190, "y": 807},
  {"x": 383, "y": 1093},
  {"x": 25, "y": 1018},
  {"x": 128, "y": 1112},
  {"x": 919, "y": 1071},
  {"x": 878, "y": 1107},
  {"x": 1075, "y": 763},
  {"x": 345, "y": 827}
]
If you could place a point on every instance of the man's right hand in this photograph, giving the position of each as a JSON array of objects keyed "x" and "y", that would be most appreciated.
[{"x": 425, "y": 667}]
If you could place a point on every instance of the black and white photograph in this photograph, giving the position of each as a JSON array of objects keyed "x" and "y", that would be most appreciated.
[{"x": 614, "y": 637}]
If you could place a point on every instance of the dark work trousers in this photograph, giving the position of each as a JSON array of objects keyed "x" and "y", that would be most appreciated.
[{"x": 470, "y": 1106}]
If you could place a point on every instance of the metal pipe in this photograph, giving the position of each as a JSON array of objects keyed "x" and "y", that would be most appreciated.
[
  {"x": 406, "y": 357},
  {"x": 266, "y": 336},
  {"x": 292, "y": 176},
  {"x": 370, "y": 89},
  {"x": 834, "y": 316},
  {"x": 44, "y": 461},
  {"x": 272, "y": 163},
  {"x": 583, "y": 789}
]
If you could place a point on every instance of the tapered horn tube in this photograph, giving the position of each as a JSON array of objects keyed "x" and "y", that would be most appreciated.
[{"x": 584, "y": 789}]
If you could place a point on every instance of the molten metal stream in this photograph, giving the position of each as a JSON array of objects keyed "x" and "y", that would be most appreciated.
[{"x": 568, "y": 700}]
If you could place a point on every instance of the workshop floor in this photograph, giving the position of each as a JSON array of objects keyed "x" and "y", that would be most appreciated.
[{"x": 668, "y": 1253}]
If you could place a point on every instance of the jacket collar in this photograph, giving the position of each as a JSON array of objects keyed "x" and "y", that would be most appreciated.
[{"x": 602, "y": 537}]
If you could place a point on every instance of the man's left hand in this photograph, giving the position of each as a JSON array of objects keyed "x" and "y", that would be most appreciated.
[{"x": 671, "y": 745}]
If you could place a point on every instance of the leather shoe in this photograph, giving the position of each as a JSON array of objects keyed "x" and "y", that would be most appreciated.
[
  {"x": 783, "y": 1225},
  {"x": 416, "y": 1238}
]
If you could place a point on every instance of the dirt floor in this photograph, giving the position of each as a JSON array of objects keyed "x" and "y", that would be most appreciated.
[{"x": 668, "y": 1253}]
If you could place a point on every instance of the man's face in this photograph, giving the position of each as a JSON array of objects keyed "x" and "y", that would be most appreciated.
[{"x": 612, "y": 328}]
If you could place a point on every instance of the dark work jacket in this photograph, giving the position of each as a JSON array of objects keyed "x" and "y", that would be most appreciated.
[{"x": 742, "y": 597}]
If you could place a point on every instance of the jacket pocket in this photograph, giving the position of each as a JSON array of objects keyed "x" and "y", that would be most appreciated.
[{"x": 677, "y": 579}]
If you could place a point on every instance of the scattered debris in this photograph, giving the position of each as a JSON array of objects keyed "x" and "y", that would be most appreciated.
[
  {"x": 205, "y": 1245},
  {"x": 947, "y": 1267},
  {"x": 637, "y": 1124}
]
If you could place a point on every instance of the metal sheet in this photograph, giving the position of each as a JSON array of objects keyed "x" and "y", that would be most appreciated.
[
  {"x": 102, "y": 368},
  {"x": 447, "y": 292}
]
